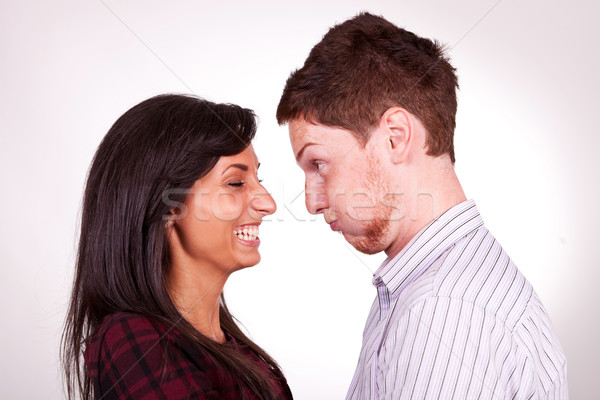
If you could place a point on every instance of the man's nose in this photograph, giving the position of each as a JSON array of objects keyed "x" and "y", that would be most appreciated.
[{"x": 315, "y": 197}]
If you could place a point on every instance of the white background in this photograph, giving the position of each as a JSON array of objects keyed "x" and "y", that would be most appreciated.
[{"x": 526, "y": 143}]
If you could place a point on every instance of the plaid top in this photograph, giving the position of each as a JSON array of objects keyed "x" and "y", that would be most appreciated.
[{"x": 132, "y": 357}]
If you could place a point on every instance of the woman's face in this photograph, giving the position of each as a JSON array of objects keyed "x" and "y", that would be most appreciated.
[{"x": 216, "y": 229}]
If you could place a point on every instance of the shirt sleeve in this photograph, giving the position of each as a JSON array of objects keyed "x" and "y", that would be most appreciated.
[
  {"x": 136, "y": 361},
  {"x": 451, "y": 348}
]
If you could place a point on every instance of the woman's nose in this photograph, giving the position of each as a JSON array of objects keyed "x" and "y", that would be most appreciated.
[{"x": 262, "y": 202}]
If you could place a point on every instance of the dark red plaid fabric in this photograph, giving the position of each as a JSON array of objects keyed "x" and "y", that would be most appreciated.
[{"x": 132, "y": 357}]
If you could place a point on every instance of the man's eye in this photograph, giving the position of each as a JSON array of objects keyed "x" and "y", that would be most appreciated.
[
  {"x": 236, "y": 184},
  {"x": 319, "y": 165}
]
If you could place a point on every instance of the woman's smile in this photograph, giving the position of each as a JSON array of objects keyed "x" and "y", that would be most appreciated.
[{"x": 247, "y": 235}]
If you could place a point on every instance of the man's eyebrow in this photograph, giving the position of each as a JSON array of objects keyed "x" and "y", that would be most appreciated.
[
  {"x": 299, "y": 154},
  {"x": 243, "y": 167}
]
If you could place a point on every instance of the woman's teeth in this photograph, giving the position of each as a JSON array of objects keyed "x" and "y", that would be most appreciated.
[{"x": 247, "y": 233}]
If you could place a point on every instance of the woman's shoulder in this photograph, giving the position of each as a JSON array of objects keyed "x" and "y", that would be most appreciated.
[
  {"x": 121, "y": 330},
  {"x": 118, "y": 333},
  {"x": 133, "y": 356},
  {"x": 122, "y": 324}
]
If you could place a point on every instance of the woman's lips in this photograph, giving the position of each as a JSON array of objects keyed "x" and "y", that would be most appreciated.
[
  {"x": 251, "y": 243},
  {"x": 247, "y": 235}
]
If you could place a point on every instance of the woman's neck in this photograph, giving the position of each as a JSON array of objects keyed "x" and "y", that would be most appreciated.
[{"x": 198, "y": 300}]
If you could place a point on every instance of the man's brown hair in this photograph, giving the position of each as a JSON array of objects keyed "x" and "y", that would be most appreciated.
[{"x": 366, "y": 65}]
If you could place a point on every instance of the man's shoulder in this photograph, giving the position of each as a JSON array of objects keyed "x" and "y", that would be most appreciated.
[
  {"x": 473, "y": 301},
  {"x": 478, "y": 270},
  {"x": 535, "y": 335},
  {"x": 478, "y": 273}
]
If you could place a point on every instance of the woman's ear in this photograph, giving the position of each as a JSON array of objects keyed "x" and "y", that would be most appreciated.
[
  {"x": 171, "y": 217},
  {"x": 397, "y": 124}
]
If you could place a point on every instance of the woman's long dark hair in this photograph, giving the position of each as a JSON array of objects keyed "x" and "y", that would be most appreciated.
[{"x": 150, "y": 156}]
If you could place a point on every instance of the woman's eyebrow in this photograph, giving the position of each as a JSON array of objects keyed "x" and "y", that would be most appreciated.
[{"x": 243, "y": 167}]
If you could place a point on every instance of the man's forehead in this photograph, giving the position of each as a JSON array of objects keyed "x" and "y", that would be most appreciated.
[
  {"x": 302, "y": 131},
  {"x": 329, "y": 140},
  {"x": 299, "y": 129}
]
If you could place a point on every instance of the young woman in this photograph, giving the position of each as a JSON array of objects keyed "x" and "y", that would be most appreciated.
[{"x": 171, "y": 208}]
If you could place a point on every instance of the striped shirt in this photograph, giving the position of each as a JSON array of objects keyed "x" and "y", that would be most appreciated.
[{"x": 455, "y": 319}]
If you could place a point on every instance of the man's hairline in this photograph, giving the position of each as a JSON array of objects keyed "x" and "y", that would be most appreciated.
[
  {"x": 313, "y": 121},
  {"x": 360, "y": 139}
]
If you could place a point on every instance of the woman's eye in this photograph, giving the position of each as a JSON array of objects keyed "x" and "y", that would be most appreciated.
[{"x": 236, "y": 184}]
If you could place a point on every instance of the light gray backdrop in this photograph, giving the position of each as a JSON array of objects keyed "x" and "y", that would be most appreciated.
[{"x": 527, "y": 151}]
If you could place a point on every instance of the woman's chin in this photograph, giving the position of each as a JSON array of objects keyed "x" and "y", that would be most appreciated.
[{"x": 248, "y": 260}]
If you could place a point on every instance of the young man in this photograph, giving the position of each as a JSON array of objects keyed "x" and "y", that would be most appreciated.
[{"x": 371, "y": 117}]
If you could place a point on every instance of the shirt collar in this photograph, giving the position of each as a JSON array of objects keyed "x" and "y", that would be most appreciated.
[{"x": 427, "y": 246}]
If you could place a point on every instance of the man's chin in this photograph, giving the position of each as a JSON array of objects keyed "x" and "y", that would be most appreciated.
[{"x": 364, "y": 244}]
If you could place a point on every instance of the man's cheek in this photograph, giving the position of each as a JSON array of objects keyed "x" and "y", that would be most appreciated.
[
  {"x": 394, "y": 206},
  {"x": 360, "y": 206}
]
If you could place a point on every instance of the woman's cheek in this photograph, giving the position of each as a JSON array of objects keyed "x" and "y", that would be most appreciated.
[
  {"x": 202, "y": 209},
  {"x": 227, "y": 206}
]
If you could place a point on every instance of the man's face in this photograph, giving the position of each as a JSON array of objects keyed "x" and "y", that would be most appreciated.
[{"x": 347, "y": 183}]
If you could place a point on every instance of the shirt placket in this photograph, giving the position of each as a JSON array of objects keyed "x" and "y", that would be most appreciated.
[{"x": 383, "y": 296}]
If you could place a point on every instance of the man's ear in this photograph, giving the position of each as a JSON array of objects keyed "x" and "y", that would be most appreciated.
[{"x": 397, "y": 124}]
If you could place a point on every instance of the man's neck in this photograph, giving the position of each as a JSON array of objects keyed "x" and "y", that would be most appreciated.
[{"x": 428, "y": 197}]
